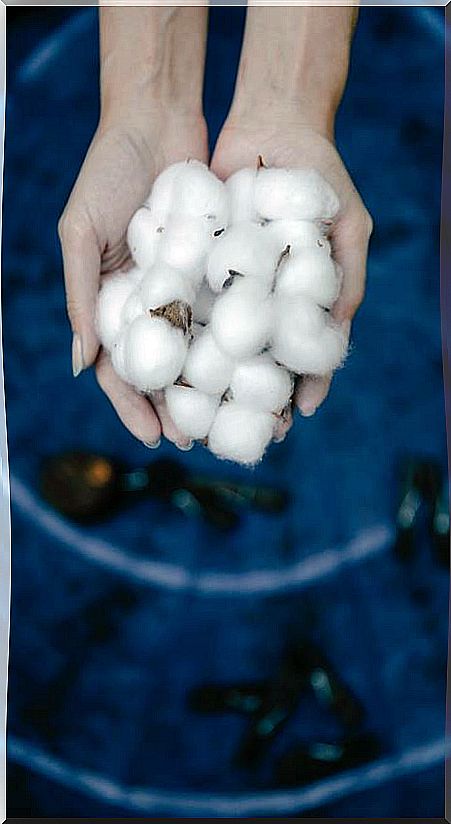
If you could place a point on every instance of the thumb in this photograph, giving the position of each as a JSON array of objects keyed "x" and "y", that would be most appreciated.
[{"x": 81, "y": 260}]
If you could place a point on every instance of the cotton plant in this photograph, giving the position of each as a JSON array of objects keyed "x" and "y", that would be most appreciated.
[{"x": 229, "y": 300}]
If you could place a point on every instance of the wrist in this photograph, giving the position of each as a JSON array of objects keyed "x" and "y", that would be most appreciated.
[
  {"x": 284, "y": 111},
  {"x": 144, "y": 106},
  {"x": 152, "y": 60},
  {"x": 294, "y": 65}
]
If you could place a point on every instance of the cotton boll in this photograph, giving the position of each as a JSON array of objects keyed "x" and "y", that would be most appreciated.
[
  {"x": 309, "y": 272},
  {"x": 197, "y": 192},
  {"x": 161, "y": 197},
  {"x": 312, "y": 356},
  {"x": 163, "y": 285},
  {"x": 261, "y": 384},
  {"x": 298, "y": 194},
  {"x": 203, "y": 304},
  {"x": 240, "y": 189},
  {"x": 118, "y": 358},
  {"x": 246, "y": 249},
  {"x": 206, "y": 367},
  {"x": 241, "y": 322},
  {"x": 185, "y": 244},
  {"x": 154, "y": 353},
  {"x": 297, "y": 234},
  {"x": 192, "y": 411},
  {"x": 240, "y": 434},
  {"x": 143, "y": 237},
  {"x": 113, "y": 295},
  {"x": 304, "y": 340},
  {"x": 298, "y": 314},
  {"x": 133, "y": 307}
]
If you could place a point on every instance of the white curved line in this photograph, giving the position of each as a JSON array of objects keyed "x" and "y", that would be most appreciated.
[
  {"x": 53, "y": 45},
  {"x": 367, "y": 544},
  {"x": 144, "y": 801}
]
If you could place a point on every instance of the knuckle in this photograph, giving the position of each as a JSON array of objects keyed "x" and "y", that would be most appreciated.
[
  {"x": 360, "y": 224},
  {"x": 368, "y": 223},
  {"x": 74, "y": 311},
  {"x": 72, "y": 230},
  {"x": 62, "y": 226},
  {"x": 355, "y": 301}
]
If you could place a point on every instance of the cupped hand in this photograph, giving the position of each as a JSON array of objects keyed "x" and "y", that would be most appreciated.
[
  {"x": 291, "y": 143},
  {"x": 123, "y": 160}
]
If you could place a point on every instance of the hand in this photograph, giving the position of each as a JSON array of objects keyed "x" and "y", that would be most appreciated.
[
  {"x": 121, "y": 164},
  {"x": 292, "y": 143}
]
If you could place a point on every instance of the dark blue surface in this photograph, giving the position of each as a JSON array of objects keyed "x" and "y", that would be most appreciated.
[{"x": 124, "y": 715}]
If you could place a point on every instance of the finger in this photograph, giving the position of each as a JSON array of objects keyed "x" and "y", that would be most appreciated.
[
  {"x": 81, "y": 260},
  {"x": 350, "y": 239},
  {"x": 311, "y": 392},
  {"x": 134, "y": 410},
  {"x": 283, "y": 425},
  {"x": 168, "y": 426}
]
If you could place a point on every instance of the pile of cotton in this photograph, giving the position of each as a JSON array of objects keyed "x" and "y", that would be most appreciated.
[{"x": 228, "y": 302}]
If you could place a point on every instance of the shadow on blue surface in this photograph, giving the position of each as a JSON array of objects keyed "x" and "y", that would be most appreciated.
[{"x": 123, "y": 721}]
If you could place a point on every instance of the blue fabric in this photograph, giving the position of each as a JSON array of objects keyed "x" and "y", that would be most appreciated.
[{"x": 124, "y": 715}]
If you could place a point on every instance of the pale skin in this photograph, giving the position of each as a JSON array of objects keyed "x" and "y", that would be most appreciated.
[{"x": 293, "y": 69}]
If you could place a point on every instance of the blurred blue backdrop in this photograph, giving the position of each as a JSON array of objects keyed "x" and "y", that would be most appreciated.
[{"x": 195, "y": 606}]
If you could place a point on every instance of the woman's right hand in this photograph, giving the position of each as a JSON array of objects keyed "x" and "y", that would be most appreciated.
[{"x": 124, "y": 158}]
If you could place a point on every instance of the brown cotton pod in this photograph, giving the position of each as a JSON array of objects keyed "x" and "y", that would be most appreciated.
[{"x": 178, "y": 313}]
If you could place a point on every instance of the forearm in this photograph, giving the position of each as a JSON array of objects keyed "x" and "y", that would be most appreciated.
[
  {"x": 152, "y": 57},
  {"x": 295, "y": 61}
]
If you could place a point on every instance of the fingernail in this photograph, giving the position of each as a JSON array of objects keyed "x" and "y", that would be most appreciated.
[
  {"x": 77, "y": 355},
  {"x": 153, "y": 445},
  {"x": 185, "y": 447},
  {"x": 308, "y": 411},
  {"x": 280, "y": 438}
]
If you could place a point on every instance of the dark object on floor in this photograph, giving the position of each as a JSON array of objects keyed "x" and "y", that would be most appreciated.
[
  {"x": 304, "y": 668},
  {"x": 88, "y": 488},
  {"x": 309, "y": 762},
  {"x": 83, "y": 487},
  {"x": 272, "y": 703},
  {"x": 217, "y": 698},
  {"x": 424, "y": 492}
]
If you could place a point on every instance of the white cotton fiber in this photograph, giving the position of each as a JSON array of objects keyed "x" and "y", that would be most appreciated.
[
  {"x": 240, "y": 189},
  {"x": 184, "y": 245},
  {"x": 154, "y": 353},
  {"x": 304, "y": 338},
  {"x": 296, "y": 194},
  {"x": 133, "y": 307},
  {"x": 230, "y": 302},
  {"x": 192, "y": 411},
  {"x": 161, "y": 197},
  {"x": 241, "y": 321},
  {"x": 312, "y": 356},
  {"x": 206, "y": 367},
  {"x": 298, "y": 315},
  {"x": 118, "y": 357},
  {"x": 297, "y": 234},
  {"x": 203, "y": 304},
  {"x": 162, "y": 285},
  {"x": 197, "y": 192},
  {"x": 144, "y": 234},
  {"x": 114, "y": 293},
  {"x": 240, "y": 434},
  {"x": 261, "y": 385},
  {"x": 246, "y": 249},
  {"x": 309, "y": 272}
]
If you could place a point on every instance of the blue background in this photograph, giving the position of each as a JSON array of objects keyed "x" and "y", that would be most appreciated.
[{"x": 202, "y": 606}]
